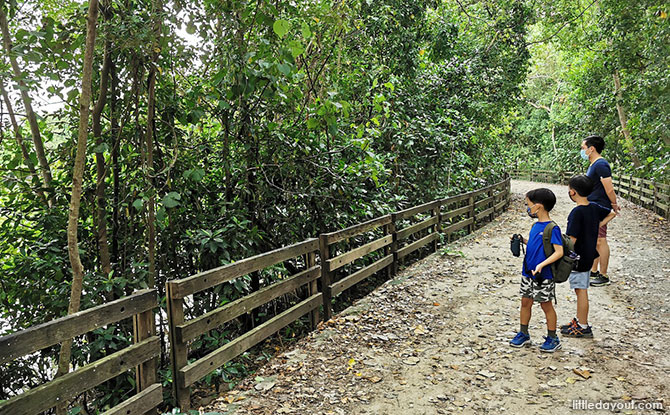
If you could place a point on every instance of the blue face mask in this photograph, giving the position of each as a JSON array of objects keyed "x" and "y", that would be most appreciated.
[
  {"x": 583, "y": 154},
  {"x": 532, "y": 215}
]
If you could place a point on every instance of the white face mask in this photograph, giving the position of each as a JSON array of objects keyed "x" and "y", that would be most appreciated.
[{"x": 584, "y": 155}]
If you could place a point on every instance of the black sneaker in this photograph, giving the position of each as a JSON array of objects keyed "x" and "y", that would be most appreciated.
[
  {"x": 579, "y": 331},
  {"x": 601, "y": 281},
  {"x": 595, "y": 275},
  {"x": 566, "y": 328}
]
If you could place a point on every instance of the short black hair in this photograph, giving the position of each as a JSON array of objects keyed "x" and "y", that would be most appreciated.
[
  {"x": 582, "y": 184},
  {"x": 543, "y": 196},
  {"x": 595, "y": 141}
]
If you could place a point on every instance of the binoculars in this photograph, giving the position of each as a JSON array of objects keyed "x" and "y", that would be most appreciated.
[{"x": 515, "y": 244}]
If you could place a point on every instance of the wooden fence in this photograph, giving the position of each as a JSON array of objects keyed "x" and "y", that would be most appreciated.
[
  {"x": 643, "y": 192},
  {"x": 182, "y": 332},
  {"x": 141, "y": 356},
  {"x": 347, "y": 257}
]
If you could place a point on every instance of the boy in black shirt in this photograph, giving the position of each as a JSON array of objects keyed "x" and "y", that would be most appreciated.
[{"x": 583, "y": 224}]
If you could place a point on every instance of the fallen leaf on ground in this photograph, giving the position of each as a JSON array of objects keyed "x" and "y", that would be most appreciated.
[{"x": 583, "y": 373}]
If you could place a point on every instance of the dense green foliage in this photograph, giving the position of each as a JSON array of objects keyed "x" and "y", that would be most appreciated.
[
  {"x": 571, "y": 88},
  {"x": 276, "y": 121}
]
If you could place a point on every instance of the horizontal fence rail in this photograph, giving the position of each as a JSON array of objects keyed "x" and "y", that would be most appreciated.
[
  {"x": 141, "y": 355},
  {"x": 647, "y": 193}
]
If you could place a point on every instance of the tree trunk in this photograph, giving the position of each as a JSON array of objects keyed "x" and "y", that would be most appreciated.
[
  {"x": 151, "y": 116},
  {"x": 77, "y": 178},
  {"x": 30, "y": 114},
  {"x": 116, "y": 141},
  {"x": 623, "y": 119},
  {"x": 101, "y": 170},
  {"x": 21, "y": 143}
]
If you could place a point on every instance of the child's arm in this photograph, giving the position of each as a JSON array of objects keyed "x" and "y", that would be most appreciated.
[
  {"x": 609, "y": 217},
  {"x": 558, "y": 253}
]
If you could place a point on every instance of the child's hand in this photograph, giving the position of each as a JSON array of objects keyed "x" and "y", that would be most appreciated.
[{"x": 538, "y": 269}]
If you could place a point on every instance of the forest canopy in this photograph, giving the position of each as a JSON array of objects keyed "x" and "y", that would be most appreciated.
[{"x": 145, "y": 140}]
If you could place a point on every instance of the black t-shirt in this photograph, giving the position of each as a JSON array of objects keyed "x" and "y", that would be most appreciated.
[
  {"x": 583, "y": 224},
  {"x": 600, "y": 169}
]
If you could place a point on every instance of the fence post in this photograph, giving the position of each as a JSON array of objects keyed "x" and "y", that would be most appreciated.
[
  {"x": 324, "y": 251},
  {"x": 491, "y": 204},
  {"x": 655, "y": 188},
  {"x": 393, "y": 229},
  {"x": 178, "y": 349},
  {"x": 471, "y": 214},
  {"x": 144, "y": 326},
  {"x": 310, "y": 261},
  {"x": 387, "y": 251},
  {"x": 435, "y": 228}
]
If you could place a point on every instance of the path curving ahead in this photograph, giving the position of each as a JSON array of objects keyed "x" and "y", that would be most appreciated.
[{"x": 434, "y": 339}]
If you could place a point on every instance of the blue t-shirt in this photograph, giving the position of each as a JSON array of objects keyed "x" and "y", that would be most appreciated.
[
  {"x": 535, "y": 250},
  {"x": 600, "y": 169}
]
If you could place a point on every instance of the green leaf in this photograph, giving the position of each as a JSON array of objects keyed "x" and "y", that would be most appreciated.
[
  {"x": 101, "y": 148},
  {"x": 171, "y": 200},
  {"x": 306, "y": 32},
  {"x": 190, "y": 28},
  {"x": 138, "y": 203},
  {"x": 284, "y": 68},
  {"x": 281, "y": 27},
  {"x": 296, "y": 48},
  {"x": 312, "y": 123}
]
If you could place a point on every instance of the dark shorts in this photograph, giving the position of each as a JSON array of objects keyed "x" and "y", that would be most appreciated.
[
  {"x": 540, "y": 293},
  {"x": 602, "y": 232}
]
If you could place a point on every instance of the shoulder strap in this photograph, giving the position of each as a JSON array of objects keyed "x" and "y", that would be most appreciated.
[{"x": 546, "y": 239}]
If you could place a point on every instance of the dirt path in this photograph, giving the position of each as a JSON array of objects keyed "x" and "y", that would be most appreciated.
[{"x": 434, "y": 340}]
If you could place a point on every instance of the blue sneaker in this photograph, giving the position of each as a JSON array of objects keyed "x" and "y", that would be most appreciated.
[
  {"x": 551, "y": 344},
  {"x": 520, "y": 340}
]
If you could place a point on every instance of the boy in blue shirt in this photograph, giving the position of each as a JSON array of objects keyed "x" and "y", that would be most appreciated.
[
  {"x": 583, "y": 224},
  {"x": 537, "y": 281}
]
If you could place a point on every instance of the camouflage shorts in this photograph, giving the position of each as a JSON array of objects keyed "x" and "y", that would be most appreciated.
[{"x": 539, "y": 292}]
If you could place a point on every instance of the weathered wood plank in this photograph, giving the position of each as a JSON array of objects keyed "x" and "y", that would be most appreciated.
[
  {"x": 406, "y": 250},
  {"x": 455, "y": 212},
  {"x": 196, "y": 370},
  {"x": 217, "y": 317},
  {"x": 140, "y": 403},
  {"x": 458, "y": 198},
  {"x": 417, "y": 227},
  {"x": 417, "y": 209},
  {"x": 207, "y": 279},
  {"x": 484, "y": 213},
  {"x": 361, "y": 274},
  {"x": 483, "y": 202},
  {"x": 333, "y": 237},
  {"x": 457, "y": 226},
  {"x": 351, "y": 256},
  {"x": 44, "y": 335},
  {"x": 46, "y": 396}
]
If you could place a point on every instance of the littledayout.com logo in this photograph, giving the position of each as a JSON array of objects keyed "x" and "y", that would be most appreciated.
[{"x": 615, "y": 406}]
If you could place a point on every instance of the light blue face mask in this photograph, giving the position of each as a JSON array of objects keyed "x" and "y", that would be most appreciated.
[{"x": 583, "y": 154}]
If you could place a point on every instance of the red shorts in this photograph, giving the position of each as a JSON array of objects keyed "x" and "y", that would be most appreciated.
[{"x": 602, "y": 232}]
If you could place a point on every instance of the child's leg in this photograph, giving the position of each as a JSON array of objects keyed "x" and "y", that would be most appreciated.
[
  {"x": 550, "y": 314},
  {"x": 526, "y": 310},
  {"x": 582, "y": 306}
]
